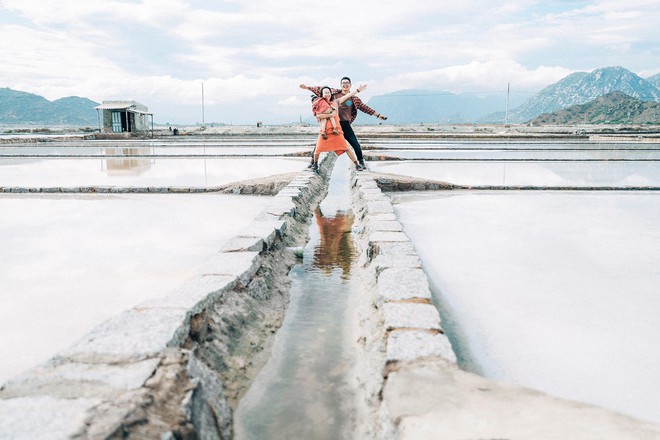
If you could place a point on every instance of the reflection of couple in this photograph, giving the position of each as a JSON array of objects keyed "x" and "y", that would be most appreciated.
[
  {"x": 346, "y": 106},
  {"x": 336, "y": 247}
]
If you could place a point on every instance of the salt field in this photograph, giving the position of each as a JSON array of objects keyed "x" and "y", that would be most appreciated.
[
  {"x": 71, "y": 262},
  {"x": 552, "y": 290},
  {"x": 557, "y": 291}
]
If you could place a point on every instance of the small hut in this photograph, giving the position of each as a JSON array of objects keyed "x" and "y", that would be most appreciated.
[{"x": 123, "y": 117}]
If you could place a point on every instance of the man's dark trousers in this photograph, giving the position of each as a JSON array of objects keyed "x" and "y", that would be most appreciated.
[{"x": 349, "y": 135}]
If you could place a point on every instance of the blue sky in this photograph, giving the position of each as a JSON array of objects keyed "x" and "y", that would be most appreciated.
[{"x": 252, "y": 55}]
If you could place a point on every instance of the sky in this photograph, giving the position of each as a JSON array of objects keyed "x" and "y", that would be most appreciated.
[{"x": 241, "y": 62}]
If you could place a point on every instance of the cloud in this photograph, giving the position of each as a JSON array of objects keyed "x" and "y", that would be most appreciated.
[
  {"x": 160, "y": 51},
  {"x": 478, "y": 77}
]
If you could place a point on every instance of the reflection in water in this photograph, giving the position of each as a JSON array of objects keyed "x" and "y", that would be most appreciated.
[
  {"x": 336, "y": 247},
  {"x": 307, "y": 390},
  {"x": 125, "y": 166}
]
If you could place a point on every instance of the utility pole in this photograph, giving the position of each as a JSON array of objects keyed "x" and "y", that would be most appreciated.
[
  {"x": 202, "y": 102},
  {"x": 506, "y": 113}
]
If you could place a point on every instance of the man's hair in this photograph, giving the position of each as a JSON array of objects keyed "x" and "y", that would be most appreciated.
[{"x": 349, "y": 80}]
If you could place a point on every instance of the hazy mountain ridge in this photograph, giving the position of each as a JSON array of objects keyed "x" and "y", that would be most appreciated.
[
  {"x": 418, "y": 106},
  {"x": 655, "y": 80},
  {"x": 613, "y": 108},
  {"x": 18, "y": 107},
  {"x": 582, "y": 87}
]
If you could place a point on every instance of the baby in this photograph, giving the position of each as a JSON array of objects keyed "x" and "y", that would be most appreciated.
[{"x": 322, "y": 106}]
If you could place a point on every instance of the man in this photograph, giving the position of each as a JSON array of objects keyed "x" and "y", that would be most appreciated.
[{"x": 348, "y": 113}]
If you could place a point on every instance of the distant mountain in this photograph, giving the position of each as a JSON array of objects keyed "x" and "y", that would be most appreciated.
[
  {"x": 18, "y": 107},
  {"x": 582, "y": 87},
  {"x": 612, "y": 108},
  {"x": 655, "y": 80},
  {"x": 434, "y": 106}
]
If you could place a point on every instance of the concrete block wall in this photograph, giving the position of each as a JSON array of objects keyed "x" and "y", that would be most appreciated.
[
  {"x": 411, "y": 322},
  {"x": 401, "y": 325}
]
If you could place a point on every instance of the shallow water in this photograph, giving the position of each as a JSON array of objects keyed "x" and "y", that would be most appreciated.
[
  {"x": 175, "y": 150},
  {"x": 555, "y": 174},
  {"x": 305, "y": 390},
  {"x": 519, "y": 155},
  {"x": 140, "y": 171}
]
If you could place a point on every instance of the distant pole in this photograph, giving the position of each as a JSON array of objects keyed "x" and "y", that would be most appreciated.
[
  {"x": 506, "y": 113},
  {"x": 202, "y": 102}
]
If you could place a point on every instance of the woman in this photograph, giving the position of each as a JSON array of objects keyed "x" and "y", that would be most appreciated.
[{"x": 335, "y": 143}]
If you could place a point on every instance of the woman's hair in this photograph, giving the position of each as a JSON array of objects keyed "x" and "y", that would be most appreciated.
[{"x": 321, "y": 91}]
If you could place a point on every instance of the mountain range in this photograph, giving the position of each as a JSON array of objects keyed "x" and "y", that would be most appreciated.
[
  {"x": 416, "y": 105},
  {"x": 407, "y": 106},
  {"x": 18, "y": 107},
  {"x": 582, "y": 87},
  {"x": 577, "y": 88},
  {"x": 612, "y": 108}
]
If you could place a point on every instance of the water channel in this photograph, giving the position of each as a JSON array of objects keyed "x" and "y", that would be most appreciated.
[{"x": 306, "y": 389}]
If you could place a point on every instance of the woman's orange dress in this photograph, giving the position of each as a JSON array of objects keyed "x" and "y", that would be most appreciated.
[{"x": 334, "y": 142}]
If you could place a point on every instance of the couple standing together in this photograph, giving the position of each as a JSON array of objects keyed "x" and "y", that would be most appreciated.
[{"x": 345, "y": 107}]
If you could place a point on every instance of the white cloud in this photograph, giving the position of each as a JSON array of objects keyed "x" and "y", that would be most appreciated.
[
  {"x": 478, "y": 77},
  {"x": 159, "y": 51}
]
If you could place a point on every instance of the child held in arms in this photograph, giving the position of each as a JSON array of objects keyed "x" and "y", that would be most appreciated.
[{"x": 321, "y": 105}]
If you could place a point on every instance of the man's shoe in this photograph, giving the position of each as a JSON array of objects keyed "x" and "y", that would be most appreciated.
[{"x": 360, "y": 167}]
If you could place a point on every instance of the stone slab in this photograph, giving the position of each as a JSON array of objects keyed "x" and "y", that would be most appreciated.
[
  {"x": 75, "y": 380},
  {"x": 387, "y": 261},
  {"x": 195, "y": 294},
  {"x": 401, "y": 248},
  {"x": 280, "y": 203},
  {"x": 364, "y": 181},
  {"x": 370, "y": 190},
  {"x": 397, "y": 284},
  {"x": 290, "y": 191},
  {"x": 242, "y": 265},
  {"x": 388, "y": 236},
  {"x": 43, "y": 418},
  {"x": 411, "y": 315},
  {"x": 264, "y": 229},
  {"x": 244, "y": 244},
  {"x": 374, "y": 197},
  {"x": 379, "y": 207},
  {"x": 135, "y": 334},
  {"x": 386, "y": 226},
  {"x": 436, "y": 400},
  {"x": 409, "y": 345}
]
